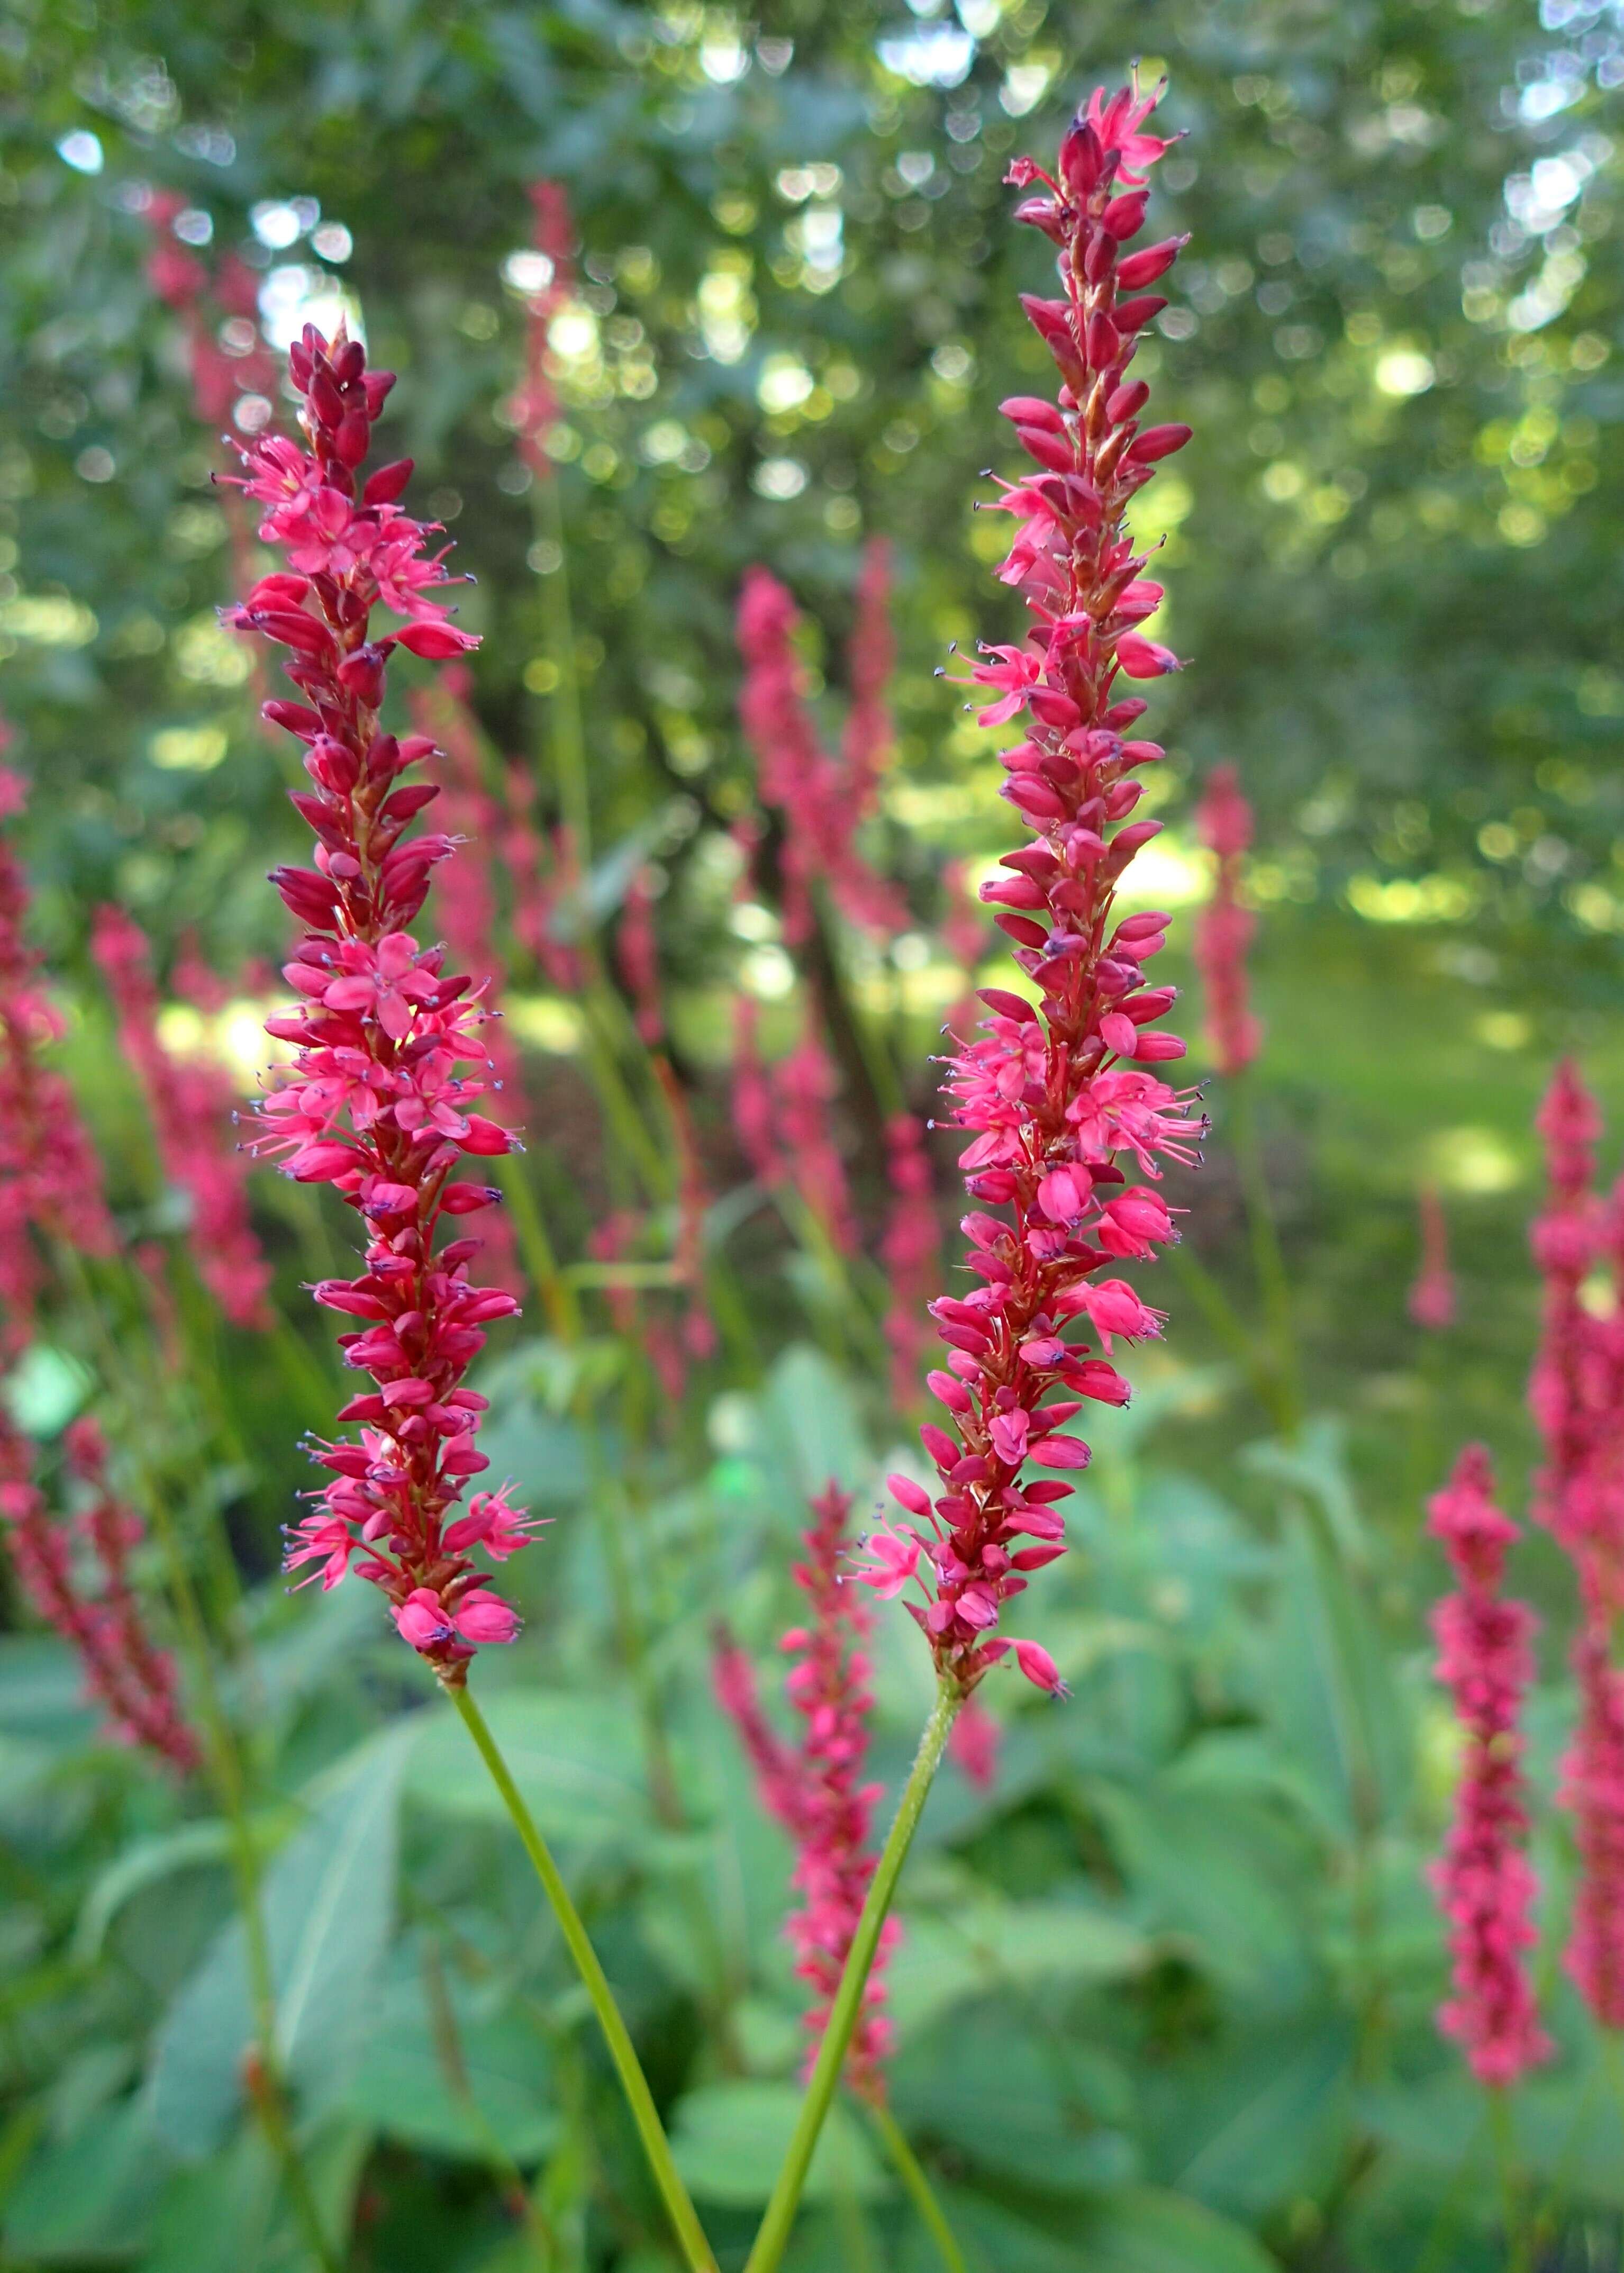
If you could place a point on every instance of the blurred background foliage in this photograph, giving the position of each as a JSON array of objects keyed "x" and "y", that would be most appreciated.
[{"x": 1170, "y": 1983}]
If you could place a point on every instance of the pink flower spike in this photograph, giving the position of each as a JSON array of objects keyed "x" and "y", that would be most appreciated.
[
  {"x": 1065, "y": 1123},
  {"x": 390, "y": 1061},
  {"x": 1432, "y": 1297},
  {"x": 815, "y": 1789},
  {"x": 1224, "y": 929},
  {"x": 1484, "y": 1882}
]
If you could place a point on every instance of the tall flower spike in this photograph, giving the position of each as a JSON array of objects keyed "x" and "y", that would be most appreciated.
[
  {"x": 1060, "y": 1098},
  {"x": 813, "y": 1788},
  {"x": 1224, "y": 929},
  {"x": 1432, "y": 1297},
  {"x": 380, "y": 1101},
  {"x": 50, "y": 1179},
  {"x": 1566, "y": 1237},
  {"x": 131, "y": 1679},
  {"x": 192, "y": 1105},
  {"x": 1484, "y": 1882}
]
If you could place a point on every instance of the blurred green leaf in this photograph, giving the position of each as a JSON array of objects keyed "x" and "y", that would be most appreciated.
[
  {"x": 327, "y": 1901},
  {"x": 92, "y": 2194},
  {"x": 728, "y": 2139},
  {"x": 578, "y": 1762}
]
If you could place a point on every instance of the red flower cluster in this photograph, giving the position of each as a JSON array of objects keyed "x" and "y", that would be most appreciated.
[
  {"x": 1577, "y": 1392},
  {"x": 813, "y": 1788},
  {"x": 1057, "y": 1093},
  {"x": 1484, "y": 1881},
  {"x": 130, "y": 1677},
  {"x": 50, "y": 1179},
  {"x": 192, "y": 1105},
  {"x": 820, "y": 798},
  {"x": 380, "y": 1101},
  {"x": 1224, "y": 929}
]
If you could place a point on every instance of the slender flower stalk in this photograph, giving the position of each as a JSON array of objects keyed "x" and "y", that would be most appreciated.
[
  {"x": 103, "y": 1623},
  {"x": 1432, "y": 1297},
  {"x": 1052, "y": 1093},
  {"x": 910, "y": 1250},
  {"x": 1224, "y": 929},
  {"x": 379, "y": 1102},
  {"x": 1484, "y": 1881},
  {"x": 1059, "y": 1095},
  {"x": 192, "y": 1104},
  {"x": 814, "y": 1788},
  {"x": 50, "y": 1179}
]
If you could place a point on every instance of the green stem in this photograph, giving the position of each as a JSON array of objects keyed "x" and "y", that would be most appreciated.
[
  {"x": 1506, "y": 2158},
  {"x": 684, "y": 2219},
  {"x": 541, "y": 1258},
  {"x": 1230, "y": 1329},
  {"x": 911, "y": 2172},
  {"x": 1267, "y": 1259},
  {"x": 773, "y": 2235}
]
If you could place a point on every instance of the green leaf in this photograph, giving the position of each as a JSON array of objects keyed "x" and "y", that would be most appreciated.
[
  {"x": 232, "y": 2214},
  {"x": 1146, "y": 2230},
  {"x": 327, "y": 1902},
  {"x": 146, "y": 1861},
  {"x": 92, "y": 2194},
  {"x": 729, "y": 2140},
  {"x": 1229, "y": 1880},
  {"x": 578, "y": 1762},
  {"x": 451, "y": 2081},
  {"x": 1264, "y": 2120},
  {"x": 946, "y": 1957},
  {"x": 1018, "y": 2101}
]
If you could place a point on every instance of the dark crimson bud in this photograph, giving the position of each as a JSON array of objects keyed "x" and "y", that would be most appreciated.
[
  {"x": 361, "y": 675},
  {"x": 1139, "y": 268},
  {"x": 354, "y": 438},
  {"x": 1157, "y": 442},
  {"x": 1125, "y": 402},
  {"x": 1101, "y": 343},
  {"x": 387, "y": 483},
  {"x": 1124, "y": 216},
  {"x": 1134, "y": 315},
  {"x": 1083, "y": 159},
  {"x": 1099, "y": 257}
]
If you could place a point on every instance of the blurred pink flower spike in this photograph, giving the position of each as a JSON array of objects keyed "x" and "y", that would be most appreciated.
[{"x": 1484, "y": 1882}]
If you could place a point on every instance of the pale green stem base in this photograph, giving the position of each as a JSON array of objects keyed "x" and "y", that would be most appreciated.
[
  {"x": 907, "y": 2168},
  {"x": 779, "y": 2217},
  {"x": 684, "y": 2219}
]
